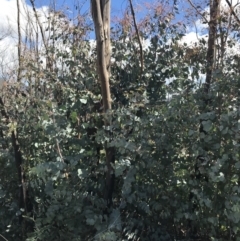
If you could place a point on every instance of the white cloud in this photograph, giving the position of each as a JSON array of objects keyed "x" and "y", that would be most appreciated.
[
  {"x": 191, "y": 38},
  {"x": 9, "y": 31}
]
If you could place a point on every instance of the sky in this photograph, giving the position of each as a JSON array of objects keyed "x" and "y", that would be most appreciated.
[
  {"x": 8, "y": 23},
  {"x": 117, "y": 5},
  {"x": 8, "y": 20}
]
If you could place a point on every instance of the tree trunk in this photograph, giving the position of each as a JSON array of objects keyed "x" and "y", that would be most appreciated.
[
  {"x": 211, "y": 59},
  {"x": 214, "y": 14},
  {"x": 101, "y": 17},
  {"x": 24, "y": 201}
]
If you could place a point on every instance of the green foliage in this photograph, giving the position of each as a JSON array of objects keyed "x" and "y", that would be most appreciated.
[{"x": 155, "y": 131}]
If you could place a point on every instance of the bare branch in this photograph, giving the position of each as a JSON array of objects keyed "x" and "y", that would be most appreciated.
[
  {"x": 197, "y": 10},
  {"x": 39, "y": 24},
  {"x": 3, "y": 237},
  {"x": 19, "y": 42},
  {"x": 233, "y": 12},
  {"x": 196, "y": 30},
  {"x": 59, "y": 150},
  {"x": 137, "y": 32}
]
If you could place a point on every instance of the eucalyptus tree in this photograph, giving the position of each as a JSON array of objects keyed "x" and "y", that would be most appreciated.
[{"x": 100, "y": 10}]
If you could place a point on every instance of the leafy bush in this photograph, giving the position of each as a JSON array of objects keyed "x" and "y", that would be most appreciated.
[{"x": 172, "y": 181}]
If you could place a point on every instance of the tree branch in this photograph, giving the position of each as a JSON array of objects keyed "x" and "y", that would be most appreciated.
[
  {"x": 197, "y": 10},
  {"x": 233, "y": 12},
  {"x": 19, "y": 42},
  {"x": 39, "y": 24},
  {"x": 138, "y": 36}
]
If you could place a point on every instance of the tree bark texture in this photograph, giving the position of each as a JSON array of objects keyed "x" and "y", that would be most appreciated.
[
  {"x": 101, "y": 18},
  {"x": 214, "y": 14}
]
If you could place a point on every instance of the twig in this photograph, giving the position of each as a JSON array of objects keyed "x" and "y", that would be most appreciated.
[
  {"x": 19, "y": 43},
  {"x": 66, "y": 171},
  {"x": 197, "y": 10},
  {"x": 196, "y": 30},
  {"x": 59, "y": 150},
  {"x": 233, "y": 12},
  {"x": 39, "y": 24},
  {"x": 3, "y": 237},
  {"x": 137, "y": 32}
]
